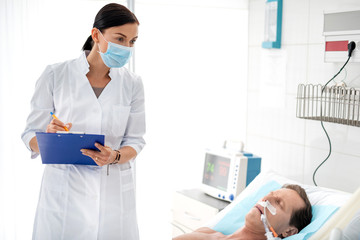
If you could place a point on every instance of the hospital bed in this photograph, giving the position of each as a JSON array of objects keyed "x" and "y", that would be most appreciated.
[{"x": 336, "y": 214}]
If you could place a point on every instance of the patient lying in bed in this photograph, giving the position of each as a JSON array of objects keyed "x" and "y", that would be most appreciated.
[{"x": 293, "y": 213}]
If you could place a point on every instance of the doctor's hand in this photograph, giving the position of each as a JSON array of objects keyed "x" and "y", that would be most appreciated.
[
  {"x": 104, "y": 157},
  {"x": 57, "y": 125}
]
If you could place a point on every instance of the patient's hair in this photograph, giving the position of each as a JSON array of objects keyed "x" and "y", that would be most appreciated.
[{"x": 301, "y": 217}]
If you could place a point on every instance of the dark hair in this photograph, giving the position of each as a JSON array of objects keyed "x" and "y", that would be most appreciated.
[
  {"x": 110, "y": 15},
  {"x": 300, "y": 218}
]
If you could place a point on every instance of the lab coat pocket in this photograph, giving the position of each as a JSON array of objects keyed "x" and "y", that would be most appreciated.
[
  {"x": 120, "y": 118},
  {"x": 54, "y": 188}
]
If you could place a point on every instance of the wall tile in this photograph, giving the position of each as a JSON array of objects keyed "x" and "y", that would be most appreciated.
[
  {"x": 291, "y": 128},
  {"x": 339, "y": 172},
  {"x": 295, "y": 67},
  {"x": 315, "y": 136},
  {"x": 344, "y": 139},
  {"x": 254, "y": 114},
  {"x": 281, "y": 157},
  {"x": 316, "y": 20},
  {"x": 295, "y": 22},
  {"x": 256, "y": 22},
  {"x": 319, "y": 72},
  {"x": 254, "y": 63},
  {"x": 351, "y": 75},
  {"x": 277, "y": 123},
  {"x": 261, "y": 120}
]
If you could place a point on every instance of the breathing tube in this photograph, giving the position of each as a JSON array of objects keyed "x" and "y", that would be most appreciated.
[{"x": 269, "y": 232}]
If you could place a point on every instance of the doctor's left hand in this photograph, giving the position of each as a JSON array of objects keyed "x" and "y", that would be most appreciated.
[{"x": 104, "y": 157}]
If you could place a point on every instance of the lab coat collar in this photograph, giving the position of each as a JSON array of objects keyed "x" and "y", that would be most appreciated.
[
  {"x": 85, "y": 67},
  {"x": 83, "y": 63}
]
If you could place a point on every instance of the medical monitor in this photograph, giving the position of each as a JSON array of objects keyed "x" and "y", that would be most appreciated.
[
  {"x": 216, "y": 171},
  {"x": 227, "y": 173}
]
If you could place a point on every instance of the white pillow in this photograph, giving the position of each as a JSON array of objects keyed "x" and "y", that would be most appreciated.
[{"x": 347, "y": 219}]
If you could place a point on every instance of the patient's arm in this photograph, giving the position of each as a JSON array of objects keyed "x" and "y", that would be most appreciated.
[{"x": 201, "y": 234}]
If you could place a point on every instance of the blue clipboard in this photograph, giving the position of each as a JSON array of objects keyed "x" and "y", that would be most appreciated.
[{"x": 64, "y": 148}]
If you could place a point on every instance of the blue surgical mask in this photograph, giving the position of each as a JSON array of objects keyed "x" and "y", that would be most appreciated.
[{"x": 116, "y": 55}]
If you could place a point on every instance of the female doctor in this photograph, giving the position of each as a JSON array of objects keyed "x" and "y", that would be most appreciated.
[{"x": 93, "y": 94}]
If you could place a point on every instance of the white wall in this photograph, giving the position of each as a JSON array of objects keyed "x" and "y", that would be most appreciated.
[{"x": 291, "y": 146}]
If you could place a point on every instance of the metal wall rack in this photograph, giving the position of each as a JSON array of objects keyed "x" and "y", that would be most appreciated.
[{"x": 337, "y": 104}]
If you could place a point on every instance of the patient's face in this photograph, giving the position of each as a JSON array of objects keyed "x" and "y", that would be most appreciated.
[{"x": 285, "y": 201}]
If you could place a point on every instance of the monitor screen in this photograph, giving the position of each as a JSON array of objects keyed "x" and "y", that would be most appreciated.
[{"x": 216, "y": 171}]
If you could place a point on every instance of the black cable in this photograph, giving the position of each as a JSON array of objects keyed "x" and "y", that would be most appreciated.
[
  {"x": 351, "y": 47},
  {"x": 321, "y": 121}
]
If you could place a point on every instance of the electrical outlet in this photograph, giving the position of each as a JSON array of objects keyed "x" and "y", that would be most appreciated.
[
  {"x": 336, "y": 48},
  {"x": 340, "y": 28}
]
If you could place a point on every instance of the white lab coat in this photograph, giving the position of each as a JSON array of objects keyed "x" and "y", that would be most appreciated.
[{"x": 77, "y": 201}]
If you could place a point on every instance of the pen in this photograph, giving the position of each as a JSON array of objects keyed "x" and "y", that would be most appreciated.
[{"x": 53, "y": 115}]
